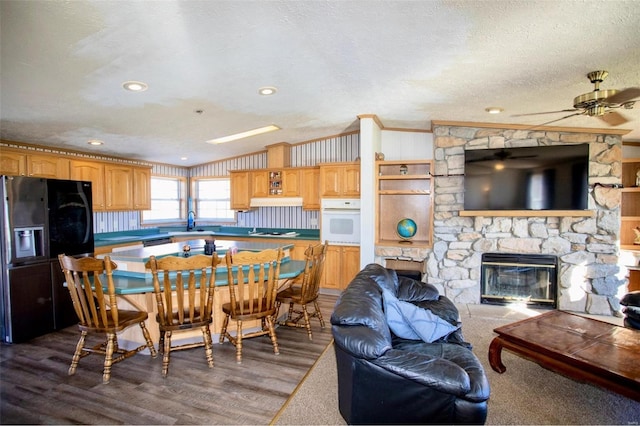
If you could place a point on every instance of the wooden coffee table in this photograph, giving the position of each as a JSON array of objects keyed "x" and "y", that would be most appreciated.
[{"x": 584, "y": 349}]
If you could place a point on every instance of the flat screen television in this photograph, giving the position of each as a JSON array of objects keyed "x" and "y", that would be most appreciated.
[{"x": 554, "y": 177}]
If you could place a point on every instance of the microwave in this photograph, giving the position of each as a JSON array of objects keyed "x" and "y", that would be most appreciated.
[{"x": 340, "y": 221}]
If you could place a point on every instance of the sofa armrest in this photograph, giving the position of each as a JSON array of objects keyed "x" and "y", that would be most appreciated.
[
  {"x": 362, "y": 342},
  {"x": 436, "y": 373}
]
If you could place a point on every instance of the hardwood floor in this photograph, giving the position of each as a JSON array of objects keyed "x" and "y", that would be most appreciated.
[{"x": 35, "y": 387}]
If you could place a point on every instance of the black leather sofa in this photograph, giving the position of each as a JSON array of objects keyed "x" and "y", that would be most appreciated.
[{"x": 384, "y": 379}]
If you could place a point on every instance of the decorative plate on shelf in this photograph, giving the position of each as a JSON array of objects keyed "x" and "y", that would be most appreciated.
[{"x": 406, "y": 228}]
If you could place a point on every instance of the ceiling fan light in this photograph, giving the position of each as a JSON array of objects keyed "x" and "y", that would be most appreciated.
[{"x": 242, "y": 135}]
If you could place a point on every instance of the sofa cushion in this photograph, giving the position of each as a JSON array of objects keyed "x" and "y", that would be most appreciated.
[
  {"x": 631, "y": 299},
  {"x": 411, "y": 290},
  {"x": 409, "y": 321}
]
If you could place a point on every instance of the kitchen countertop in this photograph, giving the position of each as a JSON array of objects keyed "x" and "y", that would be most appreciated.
[{"x": 151, "y": 234}]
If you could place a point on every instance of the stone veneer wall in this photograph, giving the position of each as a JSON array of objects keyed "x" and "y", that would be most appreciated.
[{"x": 589, "y": 279}]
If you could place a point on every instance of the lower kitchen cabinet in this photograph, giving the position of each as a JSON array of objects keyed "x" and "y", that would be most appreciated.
[{"x": 341, "y": 264}]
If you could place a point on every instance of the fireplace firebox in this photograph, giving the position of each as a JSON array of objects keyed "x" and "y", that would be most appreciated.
[{"x": 524, "y": 278}]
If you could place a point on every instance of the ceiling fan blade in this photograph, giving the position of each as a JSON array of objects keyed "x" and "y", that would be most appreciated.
[
  {"x": 624, "y": 95},
  {"x": 613, "y": 118},
  {"x": 547, "y": 112},
  {"x": 566, "y": 116}
]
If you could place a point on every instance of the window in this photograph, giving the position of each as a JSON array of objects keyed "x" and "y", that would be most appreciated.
[
  {"x": 213, "y": 200},
  {"x": 167, "y": 200}
]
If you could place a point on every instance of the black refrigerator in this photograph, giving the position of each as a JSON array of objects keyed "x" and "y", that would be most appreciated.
[{"x": 41, "y": 218}]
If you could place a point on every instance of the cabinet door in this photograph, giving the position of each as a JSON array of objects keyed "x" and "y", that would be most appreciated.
[
  {"x": 119, "y": 187},
  {"x": 350, "y": 265},
  {"x": 310, "y": 189},
  {"x": 13, "y": 163},
  {"x": 240, "y": 194},
  {"x": 332, "y": 274},
  {"x": 351, "y": 181},
  {"x": 330, "y": 181},
  {"x": 260, "y": 184},
  {"x": 48, "y": 166},
  {"x": 94, "y": 173},
  {"x": 141, "y": 188},
  {"x": 291, "y": 183}
]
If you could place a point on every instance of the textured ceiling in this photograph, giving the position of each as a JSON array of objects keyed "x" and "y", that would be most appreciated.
[{"x": 408, "y": 62}]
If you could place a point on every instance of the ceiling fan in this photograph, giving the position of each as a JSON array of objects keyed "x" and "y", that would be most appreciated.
[{"x": 599, "y": 103}]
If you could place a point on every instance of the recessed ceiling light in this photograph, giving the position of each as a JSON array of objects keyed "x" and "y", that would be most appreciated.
[
  {"x": 183, "y": 158},
  {"x": 246, "y": 134},
  {"x": 267, "y": 91},
  {"x": 135, "y": 86},
  {"x": 494, "y": 110},
  {"x": 95, "y": 142}
]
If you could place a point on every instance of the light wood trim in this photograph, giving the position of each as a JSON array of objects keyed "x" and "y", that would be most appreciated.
[
  {"x": 531, "y": 127},
  {"x": 528, "y": 213}
]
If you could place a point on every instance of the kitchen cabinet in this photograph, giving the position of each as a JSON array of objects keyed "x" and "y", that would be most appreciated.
[
  {"x": 340, "y": 180},
  {"x": 13, "y": 163},
  {"x": 119, "y": 187},
  {"x": 93, "y": 172},
  {"x": 141, "y": 188},
  {"x": 291, "y": 182},
  {"x": 240, "y": 192},
  {"x": 17, "y": 163},
  {"x": 260, "y": 183},
  {"x": 630, "y": 203},
  {"x": 403, "y": 190},
  {"x": 341, "y": 264},
  {"x": 310, "y": 188}
]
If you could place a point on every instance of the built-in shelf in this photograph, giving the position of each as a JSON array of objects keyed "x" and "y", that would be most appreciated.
[
  {"x": 404, "y": 190},
  {"x": 630, "y": 203}
]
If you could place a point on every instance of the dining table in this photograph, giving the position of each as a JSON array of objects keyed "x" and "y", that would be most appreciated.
[{"x": 134, "y": 283}]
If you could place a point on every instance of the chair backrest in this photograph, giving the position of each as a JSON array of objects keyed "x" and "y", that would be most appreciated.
[
  {"x": 313, "y": 269},
  {"x": 183, "y": 287},
  {"x": 253, "y": 281},
  {"x": 86, "y": 278}
]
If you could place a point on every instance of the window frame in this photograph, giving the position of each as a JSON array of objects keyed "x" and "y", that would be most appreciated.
[
  {"x": 182, "y": 197},
  {"x": 196, "y": 198}
]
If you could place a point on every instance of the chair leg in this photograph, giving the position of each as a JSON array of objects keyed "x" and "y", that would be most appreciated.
[
  {"x": 161, "y": 342},
  {"x": 290, "y": 314},
  {"x": 208, "y": 345},
  {"x": 223, "y": 332},
  {"x": 77, "y": 354},
  {"x": 239, "y": 343},
  {"x": 112, "y": 344},
  {"x": 147, "y": 338},
  {"x": 166, "y": 351},
  {"x": 272, "y": 334},
  {"x": 307, "y": 321},
  {"x": 318, "y": 313}
]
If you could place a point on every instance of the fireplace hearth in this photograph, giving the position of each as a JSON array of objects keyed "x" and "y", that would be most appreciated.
[{"x": 524, "y": 278}]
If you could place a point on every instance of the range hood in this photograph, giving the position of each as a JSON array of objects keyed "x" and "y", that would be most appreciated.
[{"x": 276, "y": 202}]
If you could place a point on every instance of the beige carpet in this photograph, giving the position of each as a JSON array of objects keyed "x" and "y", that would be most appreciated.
[{"x": 525, "y": 394}]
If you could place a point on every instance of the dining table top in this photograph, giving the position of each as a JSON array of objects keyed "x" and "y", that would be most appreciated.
[{"x": 127, "y": 282}]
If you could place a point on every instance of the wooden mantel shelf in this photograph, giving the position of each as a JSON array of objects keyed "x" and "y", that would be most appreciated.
[{"x": 529, "y": 213}]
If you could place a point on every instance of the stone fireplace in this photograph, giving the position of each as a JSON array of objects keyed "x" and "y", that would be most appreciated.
[{"x": 586, "y": 246}]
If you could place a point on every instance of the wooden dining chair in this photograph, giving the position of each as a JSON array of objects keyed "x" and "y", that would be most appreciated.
[
  {"x": 252, "y": 278},
  {"x": 90, "y": 283},
  {"x": 183, "y": 288},
  {"x": 304, "y": 291}
]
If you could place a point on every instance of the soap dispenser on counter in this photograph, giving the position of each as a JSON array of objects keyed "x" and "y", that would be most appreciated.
[{"x": 191, "y": 220}]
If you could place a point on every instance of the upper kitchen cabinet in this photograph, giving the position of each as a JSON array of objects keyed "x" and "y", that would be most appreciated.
[
  {"x": 18, "y": 163},
  {"x": 93, "y": 172},
  {"x": 310, "y": 188},
  {"x": 291, "y": 182},
  {"x": 119, "y": 187},
  {"x": 340, "y": 180},
  {"x": 260, "y": 183},
  {"x": 240, "y": 190},
  {"x": 142, "y": 188}
]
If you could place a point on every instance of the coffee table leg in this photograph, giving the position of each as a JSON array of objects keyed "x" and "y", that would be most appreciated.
[{"x": 495, "y": 355}]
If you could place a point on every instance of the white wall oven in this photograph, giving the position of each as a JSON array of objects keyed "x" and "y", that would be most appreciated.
[{"x": 340, "y": 221}]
